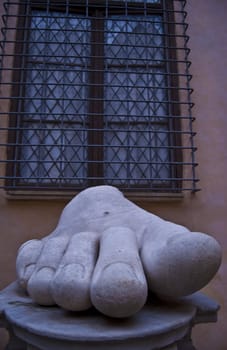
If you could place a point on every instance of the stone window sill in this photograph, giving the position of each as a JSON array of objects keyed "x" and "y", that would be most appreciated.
[{"x": 62, "y": 196}]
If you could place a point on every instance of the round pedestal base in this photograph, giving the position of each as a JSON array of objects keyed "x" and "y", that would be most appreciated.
[{"x": 51, "y": 328}]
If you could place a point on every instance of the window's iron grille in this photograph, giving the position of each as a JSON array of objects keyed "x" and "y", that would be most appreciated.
[{"x": 96, "y": 92}]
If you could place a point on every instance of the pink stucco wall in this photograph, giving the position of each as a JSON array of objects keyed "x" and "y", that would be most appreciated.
[
  {"x": 206, "y": 211},
  {"x": 208, "y": 31}
]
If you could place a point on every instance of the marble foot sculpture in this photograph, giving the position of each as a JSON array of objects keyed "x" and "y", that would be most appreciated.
[{"x": 107, "y": 252}]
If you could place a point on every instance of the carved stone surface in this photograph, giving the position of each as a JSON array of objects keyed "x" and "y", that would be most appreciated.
[
  {"x": 107, "y": 252},
  {"x": 158, "y": 325}
]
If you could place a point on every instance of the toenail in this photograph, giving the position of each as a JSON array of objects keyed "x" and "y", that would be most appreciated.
[
  {"x": 46, "y": 271},
  {"x": 120, "y": 269},
  {"x": 28, "y": 271},
  {"x": 74, "y": 269}
]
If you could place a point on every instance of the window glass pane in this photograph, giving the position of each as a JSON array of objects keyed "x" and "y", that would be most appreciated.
[
  {"x": 55, "y": 94},
  {"x": 57, "y": 99},
  {"x": 136, "y": 155},
  {"x": 135, "y": 106},
  {"x": 59, "y": 38},
  {"x": 56, "y": 80},
  {"x": 135, "y": 95},
  {"x": 51, "y": 153},
  {"x": 134, "y": 40}
]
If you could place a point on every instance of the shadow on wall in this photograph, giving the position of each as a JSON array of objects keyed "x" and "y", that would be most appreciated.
[{"x": 3, "y": 339}]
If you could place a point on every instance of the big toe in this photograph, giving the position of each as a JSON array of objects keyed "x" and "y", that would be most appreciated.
[{"x": 182, "y": 265}]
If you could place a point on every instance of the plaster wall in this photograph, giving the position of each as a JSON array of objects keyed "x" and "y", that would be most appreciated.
[{"x": 205, "y": 211}]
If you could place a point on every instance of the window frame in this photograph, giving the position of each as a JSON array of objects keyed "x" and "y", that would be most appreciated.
[{"x": 94, "y": 139}]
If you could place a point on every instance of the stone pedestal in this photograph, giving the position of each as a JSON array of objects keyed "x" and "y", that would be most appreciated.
[{"x": 158, "y": 325}]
